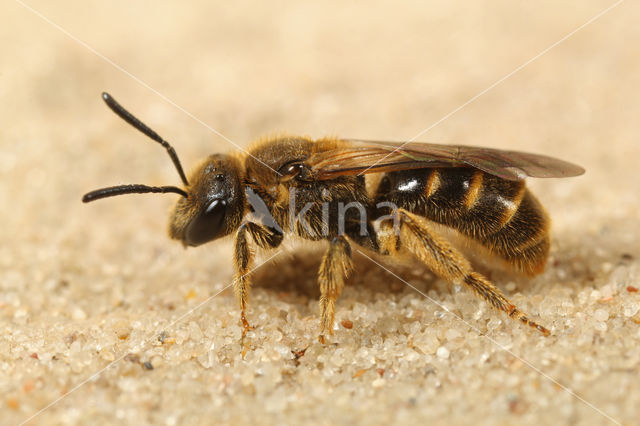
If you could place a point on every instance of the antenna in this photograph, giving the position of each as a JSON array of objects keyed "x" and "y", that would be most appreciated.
[
  {"x": 112, "y": 191},
  {"x": 131, "y": 119}
]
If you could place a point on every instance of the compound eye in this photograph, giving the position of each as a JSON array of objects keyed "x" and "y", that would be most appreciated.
[{"x": 208, "y": 225}]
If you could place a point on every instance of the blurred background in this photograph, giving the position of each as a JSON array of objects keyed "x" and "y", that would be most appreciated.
[
  {"x": 210, "y": 74},
  {"x": 213, "y": 76}
]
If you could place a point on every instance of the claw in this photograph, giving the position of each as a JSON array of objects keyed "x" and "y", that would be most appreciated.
[
  {"x": 245, "y": 324},
  {"x": 245, "y": 328}
]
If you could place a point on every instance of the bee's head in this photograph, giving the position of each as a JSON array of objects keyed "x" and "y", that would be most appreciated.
[{"x": 212, "y": 205}]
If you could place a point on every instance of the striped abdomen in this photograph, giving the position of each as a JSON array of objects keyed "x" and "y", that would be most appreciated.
[{"x": 500, "y": 214}]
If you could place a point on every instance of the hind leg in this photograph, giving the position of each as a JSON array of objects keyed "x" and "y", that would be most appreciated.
[{"x": 444, "y": 260}]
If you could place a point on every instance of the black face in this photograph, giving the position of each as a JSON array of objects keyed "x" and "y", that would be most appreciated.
[
  {"x": 209, "y": 224},
  {"x": 214, "y": 206}
]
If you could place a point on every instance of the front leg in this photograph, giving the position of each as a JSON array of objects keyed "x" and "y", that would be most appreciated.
[
  {"x": 335, "y": 267},
  {"x": 264, "y": 237}
]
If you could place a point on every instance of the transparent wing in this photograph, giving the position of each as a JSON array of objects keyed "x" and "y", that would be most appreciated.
[{"x": 352, "y": 157}]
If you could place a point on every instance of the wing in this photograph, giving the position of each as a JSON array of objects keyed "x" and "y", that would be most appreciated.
[{"x": 353, "y": 157}]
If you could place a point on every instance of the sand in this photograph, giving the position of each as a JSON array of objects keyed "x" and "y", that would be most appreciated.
[{"x": 105, "y": 320}]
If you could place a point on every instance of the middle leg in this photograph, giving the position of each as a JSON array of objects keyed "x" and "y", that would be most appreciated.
[{"x": 335, "y": 267}]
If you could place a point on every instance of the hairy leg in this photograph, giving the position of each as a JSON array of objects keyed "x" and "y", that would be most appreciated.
[
  {"x": 447, "y": 262},
  {"x": 335, "y": 267},
  {"x": 264, "y": 237}
]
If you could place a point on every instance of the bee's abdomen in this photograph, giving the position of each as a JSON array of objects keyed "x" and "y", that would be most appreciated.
[{"x": 500, "y": 214}]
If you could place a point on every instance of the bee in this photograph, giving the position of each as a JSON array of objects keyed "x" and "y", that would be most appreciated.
[{"x": 318, "y": 190}]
